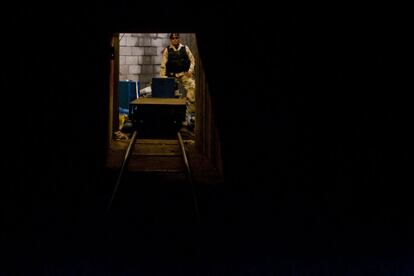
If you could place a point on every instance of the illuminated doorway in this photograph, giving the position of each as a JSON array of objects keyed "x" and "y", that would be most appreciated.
[{"x": 136, "y": 59}]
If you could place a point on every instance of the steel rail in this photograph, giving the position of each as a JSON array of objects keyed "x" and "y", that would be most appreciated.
[
  {"x": 189, "y": 175},
  {"x": 123, "y": 167}
]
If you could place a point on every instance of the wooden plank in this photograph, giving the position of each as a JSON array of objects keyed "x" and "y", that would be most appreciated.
[
  {"x": 158, "y": 101},
  {"x": 119, "y": 145},
  {"x": 123, "y": 144},
  {"x": 157, "y": 141},
  {"x": 114, "y": 158},
  {"x": 156, "y": 149},
  {"x": 156, "y": 164}
]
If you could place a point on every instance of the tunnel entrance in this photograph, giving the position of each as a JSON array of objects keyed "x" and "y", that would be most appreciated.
[{"x": 135, "y": 62}]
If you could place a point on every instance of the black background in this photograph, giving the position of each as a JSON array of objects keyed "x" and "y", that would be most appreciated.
[{"x": 314, "y": 125}]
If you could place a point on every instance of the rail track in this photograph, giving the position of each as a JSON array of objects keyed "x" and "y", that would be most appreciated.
[{"x": 132, "y": 158}]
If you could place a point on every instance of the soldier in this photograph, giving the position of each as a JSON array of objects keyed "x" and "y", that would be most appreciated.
[{"x": 178, "y": 61}]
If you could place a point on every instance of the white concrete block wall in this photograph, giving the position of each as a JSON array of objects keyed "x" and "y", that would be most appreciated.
[
  {"x": 123, "y": 39},
  {"x": 157, "y": 42},
  {"x": 122, "y": 60},
  {"x": 131, "y": 60},
  {"x": 160, "y": 49},
  {"x": 150, "y": 51},
  {"x": 123, "y": 70},
  {"x": 137, "y": 51},
  {"x": 140, "y": 56},
  {"x": 145, "y": 60},
  {"x": 134, "y": 69},
  {"x": 156, "y": 59},
  {"x": 131, "y": 41},
  {"x": 125, "y": 51}
]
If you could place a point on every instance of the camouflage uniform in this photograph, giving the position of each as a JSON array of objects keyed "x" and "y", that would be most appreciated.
[{"x": 179, "y": 73}]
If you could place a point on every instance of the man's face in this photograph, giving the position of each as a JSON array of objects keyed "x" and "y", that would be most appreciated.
[{"x": 175, "y": 40}]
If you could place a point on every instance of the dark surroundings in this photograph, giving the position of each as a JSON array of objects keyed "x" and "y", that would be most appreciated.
[{"x": 315, "y": 152}]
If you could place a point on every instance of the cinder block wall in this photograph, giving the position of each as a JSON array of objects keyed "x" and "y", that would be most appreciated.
[{"x": 140, "y": 56}]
